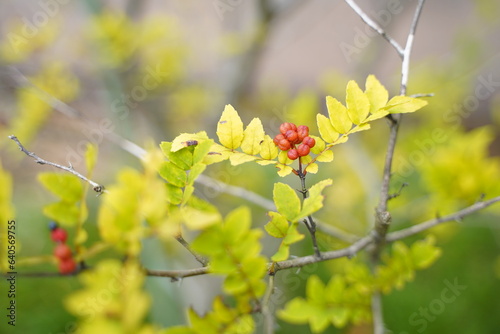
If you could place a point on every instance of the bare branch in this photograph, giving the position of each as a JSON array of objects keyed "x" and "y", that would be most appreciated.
[
  {"x": 201, "y": 259},
  {"x": 177, "y": 274},
  {"x": 375, "y": 26},
  {"x": 99, "y": 189},
  {"x": 433, "y": 222},
  {"x": 377, "y": 313},
  {"x": 409, "y": 44},
  {"x": 330, "y": 255},
  {"x": 266, "y": 311}
]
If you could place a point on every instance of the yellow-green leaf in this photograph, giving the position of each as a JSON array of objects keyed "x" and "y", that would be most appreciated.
[
  {"x": 238, "y": 158},
  {"x": 286, "y": 200},
  {"x": 326, "y": 129},
  {"x": 253, "y": 137},
  {"x": 312, "y": 168},
  {"x": 63, "y": 212},
  {"x": 283, "y": 170},
  {"x": 66, "y": 187},
  {"x": 320, "y": 145},
  {"x": 361, "y": 127},
  {"x": 338, "y": 115},
  {"x": 173, "y": 174},
  {"x": 326, "y": 156},
  {"x": 278, "y": 225},
  {"x": 188, "y": 139},
  {"x": 268, "y": 149},
  {"x": 358, "y": 105},
  {"x": 314, "y": 201},
  {"x": 217, "y": 153},
  {"x": 230, "y": 128},
  {"x": 404, "y": 104},
  {"x": 376, "y": 93}
]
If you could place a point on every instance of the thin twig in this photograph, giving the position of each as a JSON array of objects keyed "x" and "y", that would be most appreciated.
[
  {"x": 99, "y": 189},
  {"x": 266, "y": 310},
  {"x": 457, "y": 216},
  {"x": 375, "y": 26},
  {"x": 201, "y": 259},
  {"x": 177, "y": 274},
  {"x": 409, "y": 45}
]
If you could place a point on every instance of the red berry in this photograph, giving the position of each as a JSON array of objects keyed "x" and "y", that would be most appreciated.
[
  {"x": 278, "y": 138},
  {"x": 287, "y": 126},
  {"x": 309, "y": 142},
  {"x": 292, "y": 137},
  {"x": 284, "y": 145},
  {"x": 67, "y": 266},
  {"x": 58, "y": 234},
  {"x": 62, "y": 252},
  {"x": 302, "y": 131},
  {"x": 303, "y": 150},
  {"x": 292, "y": 154}
]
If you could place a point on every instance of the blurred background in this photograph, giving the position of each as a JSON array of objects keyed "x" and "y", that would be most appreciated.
[{"x": 73, "y": 72}]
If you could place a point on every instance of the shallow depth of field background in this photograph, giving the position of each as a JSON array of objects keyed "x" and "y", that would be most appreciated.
[{"x": 149, "y": 70}]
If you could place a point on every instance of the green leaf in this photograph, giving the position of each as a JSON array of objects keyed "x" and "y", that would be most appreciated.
[
  {"x": 338, "y": 115},
  {"x": 62, "y": 212},
  {"x": 312, "y": 168},
  {"x": 314, "y": 201},
  {"x": 66, "y": 187},
  {"x": 315, "y": 290},
  {"x": 286, "y": 200},
  {"x": 268, "y": 149},
  {"x": 230, "y": 128},
  {"x": 201, "y": 150},
  {"x": 424, "y": 252},
  {"x": 376, "y": 93},
  {"x": 278, "y": 226},
  {"x": 296, "y": 311},
  {"x": 326, "y": 129},
  {"x": 195, "y": 171},
  {"x": 174, "y": 194},
  {"x": 91, "y": 157},
  {"x": 173, "y": 174},
  {"x": 292, "y": 235},
  {"x": 182, "y": 158},
  {"x": 188, "y": 139},
  {"x": 196, "y": 219},
  {"x": 282, "y": 254},
  {"x": 237, "y": 223},
  {"x": 358, "y": 105},
  {"x": 253, "y": 137},
  {"x": 404, "y": 104}
]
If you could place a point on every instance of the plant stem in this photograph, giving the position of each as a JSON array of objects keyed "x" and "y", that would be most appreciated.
[{"x": 309, "y": 222}]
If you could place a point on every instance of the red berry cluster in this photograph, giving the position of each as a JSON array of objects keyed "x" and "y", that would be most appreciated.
[
  {"x": 67, "y": 264},
  {"x": 295, "y": 140}
]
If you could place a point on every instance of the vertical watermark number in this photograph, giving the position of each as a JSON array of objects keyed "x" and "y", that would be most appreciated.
[{"x": 11, "y": 274}]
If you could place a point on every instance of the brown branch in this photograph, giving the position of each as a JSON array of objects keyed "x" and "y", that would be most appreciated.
[{"x": 99, "y": 189}]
